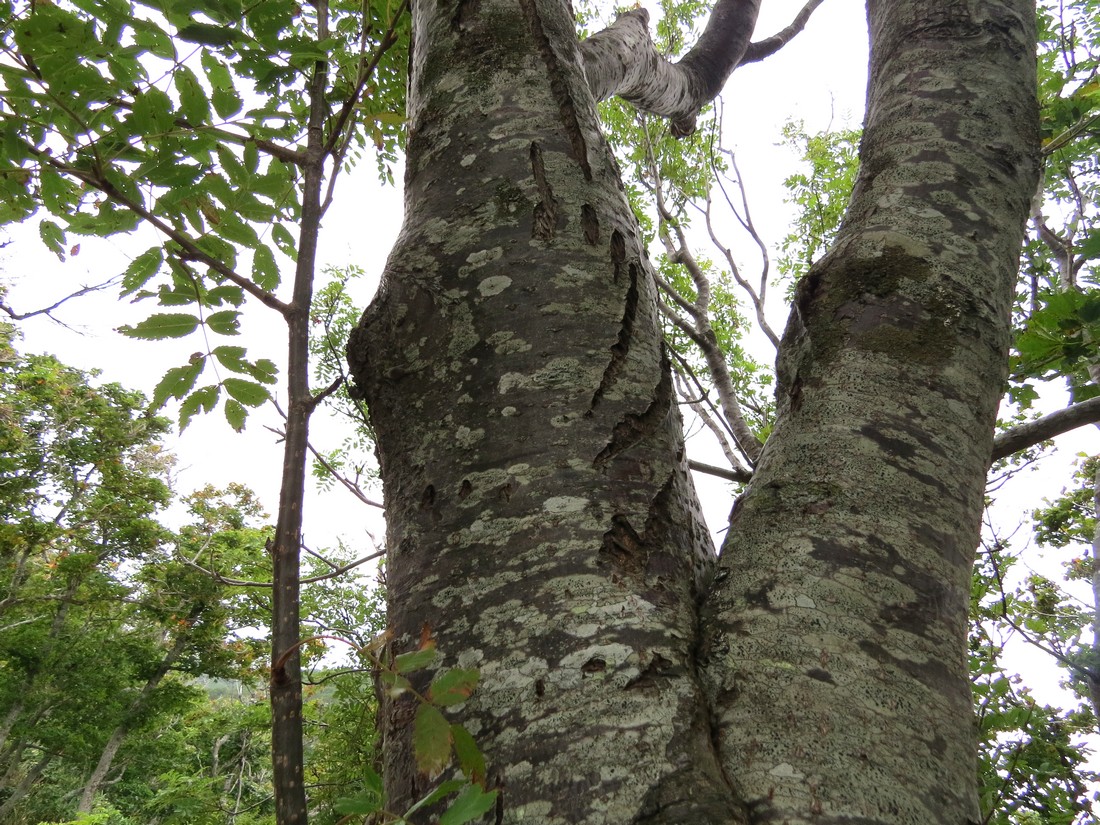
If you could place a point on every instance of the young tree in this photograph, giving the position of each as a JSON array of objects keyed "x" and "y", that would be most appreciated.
[{"x": 542, "y": 525}]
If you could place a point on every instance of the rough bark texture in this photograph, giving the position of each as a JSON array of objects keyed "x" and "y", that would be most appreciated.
[
  {"x": 835, "y": 643},
  {"x": 541, "y": 518},
  {"x": 541, "y": 522}
]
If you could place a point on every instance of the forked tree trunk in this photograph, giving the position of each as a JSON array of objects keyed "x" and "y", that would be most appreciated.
[{"x": 541, "y": 525}]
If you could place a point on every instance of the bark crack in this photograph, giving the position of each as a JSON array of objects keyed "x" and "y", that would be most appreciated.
[
  {"x": 545, "y": 217},
  {"x": 621, "y": 348},
  {"x": 556, "y": 71},
  {"x": 634, "y": 428}
]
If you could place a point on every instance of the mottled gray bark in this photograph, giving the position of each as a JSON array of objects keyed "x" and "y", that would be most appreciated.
[
  {"x": 541, "y": 521},
  {"x": 539, "y": 507},
  {"x": 835, "y": 642}
]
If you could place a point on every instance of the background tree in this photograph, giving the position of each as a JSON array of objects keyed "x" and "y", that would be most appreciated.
[{"x": 217, "y": 126}]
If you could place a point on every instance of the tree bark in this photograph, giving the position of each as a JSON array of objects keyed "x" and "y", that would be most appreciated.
[
  {"x": 541, "y": 519},
  {"x": 542, "y": 526},
  {"x": 834, "y": 645}
]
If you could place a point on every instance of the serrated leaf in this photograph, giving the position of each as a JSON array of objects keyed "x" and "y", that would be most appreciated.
[
  {"x": 264, "y": 371},
  {"x": 226, "y": 102},
  {"x": 362, "y": 804},
  {"x": 225, "y": 294},
  {"x": 203, "y": 399},
  {"x": 247, "y": 392},
  {"x": 230, "y": 357},
  {"x": 194, "y": 105},
  {"x": 53, "y": 236},
  {"x": 453, "y": 687},
  {"x": 235, "y": 414},
  {"x": 162, "y": 325},
  {"x": 265, "y": 271},
  {"x": 470, "y": 758},
  {"x": 468, "y": 805},
  {"x": 1090, "y": 247},
  {"x": 177, "y": 382},
  {"x": 414, "y": 660},
  {"x": 284, "y": 240},
  {"x": 224, "y": 322},
  {"x": 141, "y": 269},
  {"x": 152, "y": 38}
]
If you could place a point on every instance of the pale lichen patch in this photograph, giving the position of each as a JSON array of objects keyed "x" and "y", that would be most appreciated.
[
  {"x": 565, "y": 504},
  {"x": 494, "y": 285}
]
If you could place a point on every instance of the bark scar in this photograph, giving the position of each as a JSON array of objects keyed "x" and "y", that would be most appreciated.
[
  {"x": 545, "y": 218},
  {"x": 633, "y": 428},
  {"x": 559, "y": 87},
  {"x": 621, "y": 348}
]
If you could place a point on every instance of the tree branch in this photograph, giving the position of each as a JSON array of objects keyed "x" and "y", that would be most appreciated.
[
  {"x": 622, "y": 60},
  {"x": 22, "y": 316},
  {"x": 1028, "y": 435},
  {"x": 769, "y": 46},
  {"x": 738, "y": 475}
]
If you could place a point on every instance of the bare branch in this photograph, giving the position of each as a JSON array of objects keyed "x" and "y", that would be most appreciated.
[
  {"x": 769, "y": 46},
  {"x": 347, "y": 483},
  {"x": 740, "y": 474},
  {"x": 22, "y": 316},
  {"x": 1029, "y": 434},
  {"x": 218, "y": 577}
]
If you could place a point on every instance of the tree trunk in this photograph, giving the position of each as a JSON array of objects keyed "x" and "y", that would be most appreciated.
[
  {"x": 835, "y": 644},
  {"x": 19, "y": 791},
  {"x": 118, "y": 735},
  {"x": 541, "y": 523}
]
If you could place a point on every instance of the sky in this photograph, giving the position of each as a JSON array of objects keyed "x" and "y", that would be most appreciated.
[{"x": 819, "y": 78}]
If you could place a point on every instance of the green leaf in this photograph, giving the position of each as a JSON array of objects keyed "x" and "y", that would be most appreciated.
[
  {"x": 204, "y": 399},
  {"x": 431, "y": 740},
  {"x": 265, "y": 271},
  {"x": 284, "y": 240},
  {"x": 362, "y": 804},
  {"x": 177, "y": 382},
  {"x": 444, "y": 788},
  {"x": 225, "y": 322},
  {"x": 152, "y": 38},
  {"x": 207, "y": 35},
  {"x": 453, "y": 687},
  {"x": 162, "y": 325},
  {"x": 470, "y": 758},
  {"x": 470, "y": 804},
  {"x": 264, "y": 371},
  {"x": 226, "y": 102},
  {"x": 414, "y": 660},
  {"x": 53, "y": 236},
  {"x": 247, "y": 392},
  {"x": 194, "y": 105},
  {"x": 235, "y": 414},
  {"x": 141, "y": 269},
  {"x": 152, "y": 112},
  {"x": 1090, "y": 247}
]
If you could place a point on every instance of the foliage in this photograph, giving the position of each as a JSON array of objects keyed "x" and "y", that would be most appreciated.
[
  {"x": 191, "y": 119},
  {"x": 819, "y": 194},
  {"x": 1058, "y": 300}
]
